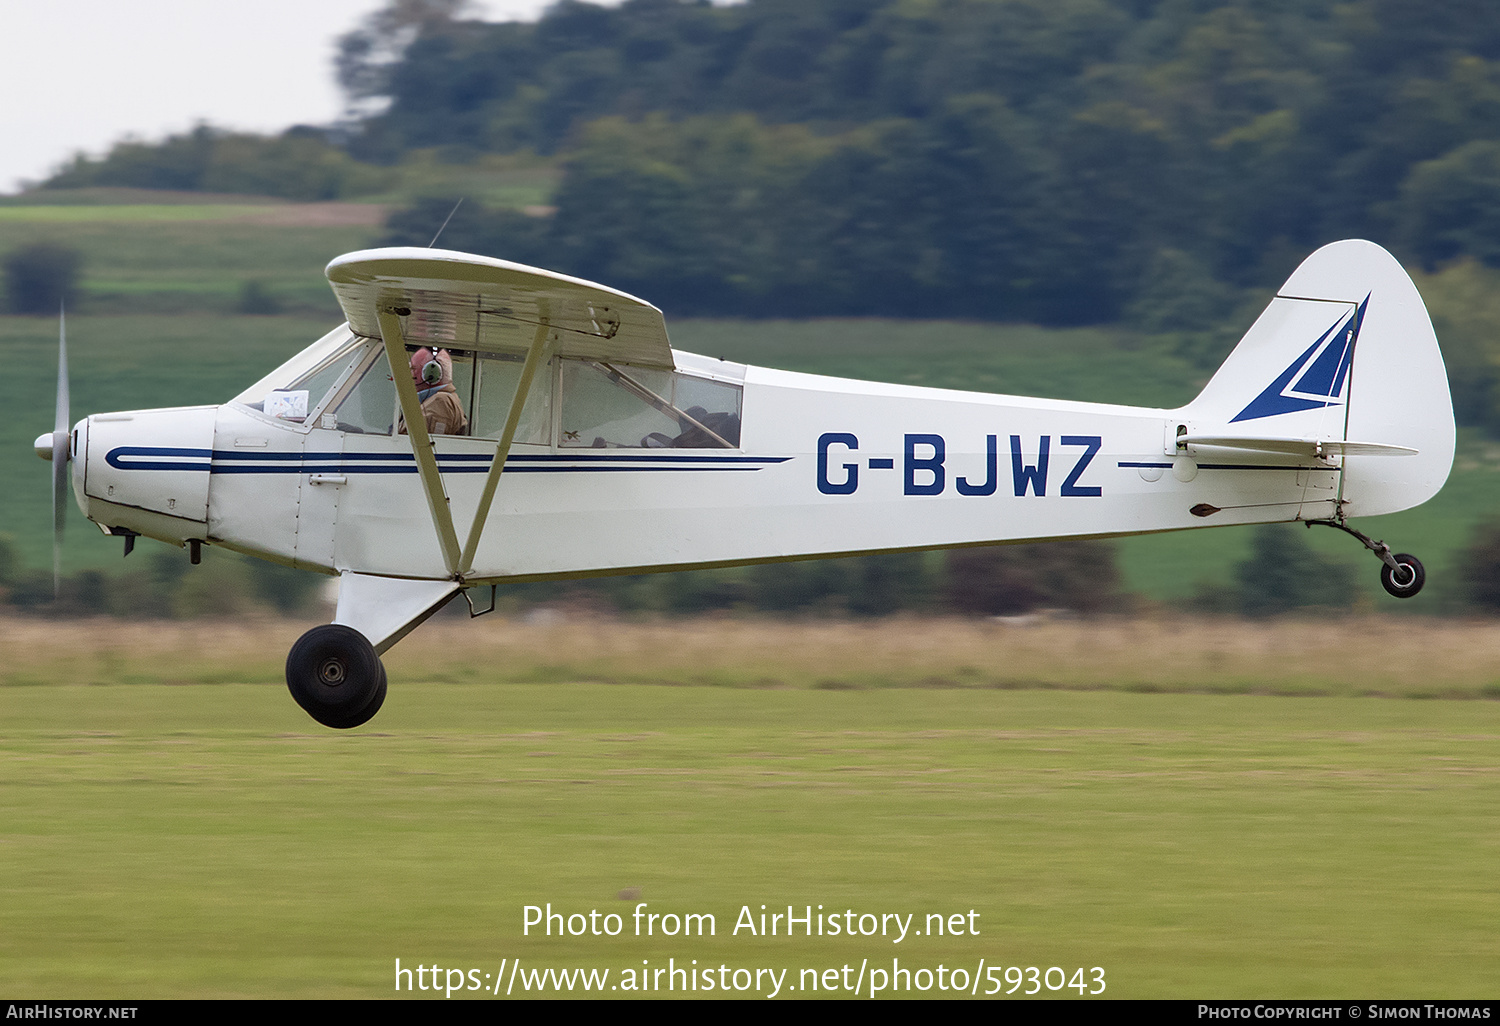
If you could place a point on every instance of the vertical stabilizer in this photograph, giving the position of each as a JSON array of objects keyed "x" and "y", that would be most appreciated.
[{"x": 1345, "y": 353}]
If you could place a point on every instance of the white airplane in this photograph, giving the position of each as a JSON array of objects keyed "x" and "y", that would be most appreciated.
[{"x": 592, "y": 447}]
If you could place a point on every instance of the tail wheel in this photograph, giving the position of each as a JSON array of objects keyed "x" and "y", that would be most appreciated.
[
  {"x": 1406, "y": 578},
  {"x": 334, "y": 674}
]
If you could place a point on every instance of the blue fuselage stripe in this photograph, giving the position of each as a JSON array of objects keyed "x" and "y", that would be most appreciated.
[{"x": 221, "y": 461}]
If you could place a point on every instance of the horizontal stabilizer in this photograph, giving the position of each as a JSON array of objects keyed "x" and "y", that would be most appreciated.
[{"x": 1318, "y": 448}]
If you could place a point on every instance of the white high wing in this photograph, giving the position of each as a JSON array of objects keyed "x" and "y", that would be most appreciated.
[{"x": 593, "y": 447}]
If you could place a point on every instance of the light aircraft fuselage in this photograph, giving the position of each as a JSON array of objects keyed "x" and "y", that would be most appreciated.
[{"x": 595, "y": 448}]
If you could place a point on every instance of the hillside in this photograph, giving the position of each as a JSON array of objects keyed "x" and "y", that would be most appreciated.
[
  {"x": 1054, "y": 161},
  {"x": 159, "y": 324}
]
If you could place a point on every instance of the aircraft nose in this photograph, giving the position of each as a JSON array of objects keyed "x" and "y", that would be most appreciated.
[{"x": 153, "y": 460}]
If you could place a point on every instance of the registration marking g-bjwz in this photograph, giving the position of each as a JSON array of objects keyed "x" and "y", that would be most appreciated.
[{"x": 925, "y": 472}]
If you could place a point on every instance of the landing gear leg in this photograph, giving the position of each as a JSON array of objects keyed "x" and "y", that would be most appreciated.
[
  {"x": 1402, "y": 575},
  {"x": 334, "y": 674}
]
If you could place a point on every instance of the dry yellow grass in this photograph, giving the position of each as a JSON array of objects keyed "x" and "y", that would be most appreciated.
[{"x": 1351, "y": 656}]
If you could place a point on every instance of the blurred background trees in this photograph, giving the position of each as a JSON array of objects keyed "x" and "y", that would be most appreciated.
[
  {"x": 1481, "y": 568},
  {"x": 300, "y": 164},
  {"x": 40, "y": 277},
  {"x": 1284, "y": 574},
  {"x": 1149, "y": 166},
  {"x": 1054, "y": 161}
]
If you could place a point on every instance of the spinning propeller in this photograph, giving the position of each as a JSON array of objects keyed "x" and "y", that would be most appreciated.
[{"x": 54, "y": 446}]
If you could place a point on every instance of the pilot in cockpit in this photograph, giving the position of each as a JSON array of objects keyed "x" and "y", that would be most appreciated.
[{"x": 432, "y": 373}]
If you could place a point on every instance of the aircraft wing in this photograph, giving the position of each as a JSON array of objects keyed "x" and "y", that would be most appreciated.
[
  {"x": 462, "y": 301},
  {"x": 1300, "y": 446}
]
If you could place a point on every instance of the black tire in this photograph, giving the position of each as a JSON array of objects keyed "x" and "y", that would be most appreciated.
[
  {"x": 366, "y": 714},
  {"x": 334, "y": 674},
  {"x": 1413, "y": 581}
]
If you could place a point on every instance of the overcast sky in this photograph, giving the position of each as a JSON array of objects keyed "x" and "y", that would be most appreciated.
[{"x": 81, "y": 74}]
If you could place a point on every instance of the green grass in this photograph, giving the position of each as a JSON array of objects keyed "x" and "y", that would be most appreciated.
[
  {"x": 1110, "y": 365},
  {"x": 209, "y": 841},
  {"x": 160, "y": 263},
  {"x": 171, "y": 825},
  {"x": 130, "y": 213},
  {"x": 495, "y": 180},
  {"x": 120, "y": 362},
  {"x": 121, "y": 195},
  {"x": 1089, "y": 364},
  {"x": 159, "y": 327}
]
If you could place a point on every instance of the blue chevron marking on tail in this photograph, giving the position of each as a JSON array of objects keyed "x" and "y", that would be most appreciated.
[{"x": 1321, "y": 372}]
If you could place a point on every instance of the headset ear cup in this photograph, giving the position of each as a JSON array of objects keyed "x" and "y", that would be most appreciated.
[{"x": 432, "y": 372}]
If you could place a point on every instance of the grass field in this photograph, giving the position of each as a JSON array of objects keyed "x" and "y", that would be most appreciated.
[
  {"x": 128, "y": 361},
  {"x": 170, "y": 265},
  {"x": 1108, "y": 365},
  {"x": 120, "y": 362},
  {"x": 171, "y": 825},
  {"x": 159, "y": 325}
]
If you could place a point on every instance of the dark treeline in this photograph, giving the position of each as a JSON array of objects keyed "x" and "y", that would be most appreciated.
[
  {"x": 299, "y": 164},
  {"x": 1283, "y": 573},
  {"x": 1059, "y": 161},
  {"x": 159, "y": 583},
  {"x": 1152, "y": 162},
  {"x": 1049, "y": 160}
]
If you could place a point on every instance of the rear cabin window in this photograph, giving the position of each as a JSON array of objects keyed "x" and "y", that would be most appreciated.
[{"x": 608, "y": 406}]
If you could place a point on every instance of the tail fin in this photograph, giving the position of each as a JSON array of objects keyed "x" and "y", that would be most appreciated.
[{"x": 1344, "y": 365}]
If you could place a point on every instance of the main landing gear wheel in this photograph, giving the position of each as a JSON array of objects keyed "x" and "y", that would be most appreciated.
[
  {"x": 1406, "y": 578},
  {"x": 334, "y": 674}
]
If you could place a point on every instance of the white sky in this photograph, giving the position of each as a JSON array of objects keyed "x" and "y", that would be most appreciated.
[{"x": 81, "y": 74}]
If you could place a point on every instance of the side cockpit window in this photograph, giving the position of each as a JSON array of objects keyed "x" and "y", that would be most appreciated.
[
  {"x": 479, "y": 386},
  {"x": 444, "y": 380},
  {"x": 369, "y": 408},
  {"x": 609, "y": 406},
  {"x": 496, "y": 378},
  {"x": 572, "y": 402}
]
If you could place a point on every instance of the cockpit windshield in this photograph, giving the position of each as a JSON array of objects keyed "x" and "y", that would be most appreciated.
[{"x": 295, "y": 390}]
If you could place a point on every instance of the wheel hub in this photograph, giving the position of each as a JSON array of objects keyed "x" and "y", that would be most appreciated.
[{"x": 332, "y": 672}]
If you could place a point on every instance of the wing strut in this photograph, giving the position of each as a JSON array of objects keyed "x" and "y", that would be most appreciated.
[
  {"x": 421, "y": 441},
  {"x": 502, "y": 449}
]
